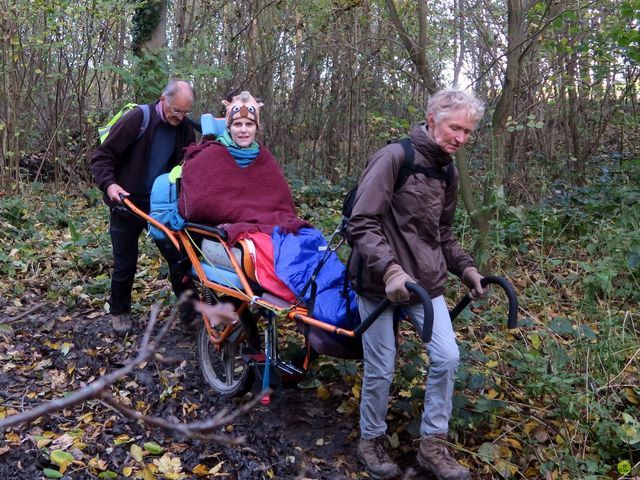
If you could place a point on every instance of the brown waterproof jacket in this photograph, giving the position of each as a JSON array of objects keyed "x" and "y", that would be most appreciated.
[{"x": 411, "y": 227}]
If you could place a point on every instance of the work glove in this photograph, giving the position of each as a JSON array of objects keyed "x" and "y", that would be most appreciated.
[
  {"x": 394, "y": 279},
  {"x": 219, "y": 314},
  {"x": 471, "y": 279}
]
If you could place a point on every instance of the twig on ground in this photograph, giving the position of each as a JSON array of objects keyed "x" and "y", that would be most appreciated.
[
  {"x": 33, "y": 309},
  {"x": 200, "y": 429}
]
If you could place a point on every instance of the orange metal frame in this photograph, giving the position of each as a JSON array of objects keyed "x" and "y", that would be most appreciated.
[{"x": 181, "y": 240}]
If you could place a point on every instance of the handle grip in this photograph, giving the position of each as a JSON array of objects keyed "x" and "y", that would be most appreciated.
[
  {"x": 512, "y": 319},
  {"x": 427, "y": 325}
]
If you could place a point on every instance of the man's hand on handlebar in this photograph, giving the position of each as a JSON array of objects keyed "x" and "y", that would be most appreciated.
[
  {"x": 115, "y": 193},
  {"x": 471, "y": 279}
]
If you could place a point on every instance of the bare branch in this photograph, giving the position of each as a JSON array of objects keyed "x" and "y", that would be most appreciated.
[
  {"x": 98, "y": 389},
  {"x": 94, "y": 389}
]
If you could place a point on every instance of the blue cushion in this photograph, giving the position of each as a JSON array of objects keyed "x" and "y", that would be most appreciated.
[{"x": 220, "y": 275}]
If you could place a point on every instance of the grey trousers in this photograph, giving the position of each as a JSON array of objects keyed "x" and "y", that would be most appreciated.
[{"x": 379, "y": 364}]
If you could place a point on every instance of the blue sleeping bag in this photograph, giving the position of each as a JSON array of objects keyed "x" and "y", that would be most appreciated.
[{"x": 296, "y": 257}]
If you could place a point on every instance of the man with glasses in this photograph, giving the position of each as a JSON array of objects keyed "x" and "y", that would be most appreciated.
[{"x": 126, "y": 164}]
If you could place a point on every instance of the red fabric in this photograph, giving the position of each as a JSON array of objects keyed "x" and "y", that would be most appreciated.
[
  {"x": 216, "y": 191},
  {"x": 266, "y": 268}
]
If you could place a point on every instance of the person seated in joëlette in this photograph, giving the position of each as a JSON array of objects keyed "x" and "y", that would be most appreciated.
[{"x": 235, "y": 184}]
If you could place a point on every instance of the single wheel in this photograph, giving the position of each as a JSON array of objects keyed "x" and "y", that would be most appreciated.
[{"x": 222, "y": 366}]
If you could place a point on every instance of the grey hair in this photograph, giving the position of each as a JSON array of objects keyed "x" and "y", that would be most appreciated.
[
  {"x": 447, "y": 100},
  {"x": 174, "y": 86}
]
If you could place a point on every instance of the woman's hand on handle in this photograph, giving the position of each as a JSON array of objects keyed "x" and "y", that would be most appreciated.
[
  {"x": 394, "y": 284},
  {"x": 472, "y": 280}
]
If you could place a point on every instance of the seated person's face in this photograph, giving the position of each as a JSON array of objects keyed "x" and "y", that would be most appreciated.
[{"x": 243, "y": 132}]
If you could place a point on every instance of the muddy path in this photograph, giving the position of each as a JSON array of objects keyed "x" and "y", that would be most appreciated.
[{"x": 308, "y": 431}]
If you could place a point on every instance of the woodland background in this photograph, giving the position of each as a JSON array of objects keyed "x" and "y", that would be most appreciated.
[{"x": 549, "y": 185}]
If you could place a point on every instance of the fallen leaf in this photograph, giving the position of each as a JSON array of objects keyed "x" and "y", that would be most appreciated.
[
  {"x": 50, "y": 473},
  {"x": 201, "y": 470},
  {"x": 136, "y": 452},
  {"x": 153, "y": 448},
  {"x": 168, "y": 465},
  {"x": 323, "y": 393},
  {"x": 61, "y": 458},
  {"x": 120, "y": 439}
]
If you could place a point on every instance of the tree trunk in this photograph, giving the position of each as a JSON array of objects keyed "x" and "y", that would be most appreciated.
[
  {"x": 417, "y": 50},
  {"x": 494, "y": 187},
  {"x": 149, "y": 26},
  {"x": 459, "y": 40}
]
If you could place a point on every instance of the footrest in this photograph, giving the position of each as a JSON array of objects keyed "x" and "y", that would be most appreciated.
[{"x": 288, "y": 368}]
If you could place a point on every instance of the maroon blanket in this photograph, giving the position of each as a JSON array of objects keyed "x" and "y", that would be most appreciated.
[{"x": 216, "y": 191}]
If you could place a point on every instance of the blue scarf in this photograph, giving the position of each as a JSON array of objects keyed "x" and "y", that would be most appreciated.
[{"x": 242, "y": 156}]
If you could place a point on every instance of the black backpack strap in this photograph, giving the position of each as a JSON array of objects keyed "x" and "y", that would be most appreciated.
[
  {"x": 449, "y": 178},
  {"x": 408, "y": 168},
  {"x": 407, "y": 165},
  {"x": 195, "y": 124},
  {"x": 146, "y": 115}
]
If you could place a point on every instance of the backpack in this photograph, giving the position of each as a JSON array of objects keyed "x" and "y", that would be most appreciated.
[
  {"x": 103, "y": 132},
  {"x": 407, "y": 169}
]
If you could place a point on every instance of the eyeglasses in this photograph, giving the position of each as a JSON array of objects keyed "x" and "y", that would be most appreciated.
[{"x": 178, "y": 112}]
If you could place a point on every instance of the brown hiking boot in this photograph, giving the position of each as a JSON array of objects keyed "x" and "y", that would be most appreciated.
[
  {"x": 434, "y": 456},
  {"x": 121, "y": 324},
  {"x": 373, "y": 453}
]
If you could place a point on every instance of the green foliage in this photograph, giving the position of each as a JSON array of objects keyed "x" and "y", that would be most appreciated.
[
  {"x": 386, "y": 127},
  {"x": 319, "y": 201},
  {"x": 623, "y": 29},
  {"x": 150, "y": 73},
  {"x": 145, "y": 20},
  {"x": 566, "y": 381}
]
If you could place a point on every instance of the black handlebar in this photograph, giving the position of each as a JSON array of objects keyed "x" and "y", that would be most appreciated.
[
  {"x": 207, "y": 228},
  {"x": 427, "y": 325},
  {"x": 512, "y": 319}
]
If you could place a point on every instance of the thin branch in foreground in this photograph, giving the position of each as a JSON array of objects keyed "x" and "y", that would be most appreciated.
[{"x": 98, "y": 390}]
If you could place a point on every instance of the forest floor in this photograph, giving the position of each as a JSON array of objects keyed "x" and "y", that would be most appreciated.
[{"x": 305, "y": 432}]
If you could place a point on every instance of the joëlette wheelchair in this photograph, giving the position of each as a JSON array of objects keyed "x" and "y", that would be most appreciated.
[{"x": 231, "y": 357}]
